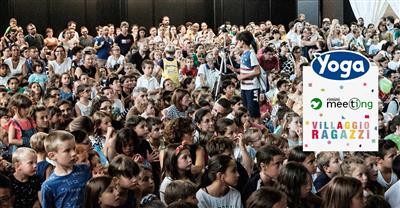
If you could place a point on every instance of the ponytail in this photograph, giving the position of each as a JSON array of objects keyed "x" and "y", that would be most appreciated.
[{"x": 218, "y": 163}]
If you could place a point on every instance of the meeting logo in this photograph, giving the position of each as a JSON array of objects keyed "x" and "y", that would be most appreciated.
[
  {"x": 316, "y": 103},
  {"x": 353, "y": 103},
  {"x": 340, "y": 65}
]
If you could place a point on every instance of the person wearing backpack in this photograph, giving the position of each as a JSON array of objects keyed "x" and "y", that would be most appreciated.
[{"x": 394, "y": 106}]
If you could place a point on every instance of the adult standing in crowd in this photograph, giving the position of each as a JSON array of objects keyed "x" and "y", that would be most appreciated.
[
  {"x": 34, "y": 38},
  {"x": 85, "y": 40},
  {"x": 124, "y": 40}
]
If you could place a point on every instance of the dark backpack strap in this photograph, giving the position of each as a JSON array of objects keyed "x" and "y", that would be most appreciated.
[{"x": 16, "y": 123}]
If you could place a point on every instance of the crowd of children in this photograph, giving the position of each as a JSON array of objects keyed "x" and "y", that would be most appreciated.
[{"x": 171, "y": 118}]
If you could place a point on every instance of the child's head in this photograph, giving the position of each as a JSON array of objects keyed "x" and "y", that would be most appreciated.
[
  {"x": 24, "y": 160},
  {"x": 37, "y": 68},
  {"x": 147, "y": 67},
  {"x": 37, "y": 142},
  {"x": 13, "y": 22},
  {"x": 228, "y": 87},
  {"x": 180, "y": 190},
  {"x": 278, "y": 141},
  {"x": 125, "y": 170},
  {"x": 84, "y": 78},
  {"x": 293, "y": 121},
  {"x": 4, "y": 70},
  {"x": 66, "y": 79},
  {"x": 189, "y": 62},
  {"x": 82, "y": 140},
  {"x": 354, "y": 166},
  {"x": 297, "y": 154},
  {"x": 220, "y": 145},
  {"x": 387, "y": 152},
  {"x": 253, "y": 136},
  {"x": 177, "y": 162},
  {"x": 155, "y": 127},
  {"x": 83, "y": 123},
  {"x": 342, "y": 192},
  {"x": 270, "y": 160},
  {"x": 267, "y": 197},
  {"x": 4, "y": 116},
  {"x": 103, "y": 191},
  {"x": 6, "y": 195},
  {"x": 54, "y": 117},
  {"x": 371, "y": 161},
  {"x": 236, "y": 103},
  {"x": 328, "y": 163},
  {"x": 39, "y": 115},
  {"x": 146, "y": 181},
  {"x": 60, "y": 147},
  {"x": 138, "y": 124},
  {"x": 83, "y": 91},
  {"x": 221, "y": 168},
  {"x": 282, "y": 97},
  {"x": 283, "y": 85},
  {"x": 179, "y": 130},
  {"x": 376, "y": 201},
  {"x": 102, "y": 122},
  {"x": 226, "y": 127},
  {"x": 296, "y": 182},
  {"x": 13, "y": 83},
  {"x": 126, "y": 142},
  {"x": 20, "y": 104}
]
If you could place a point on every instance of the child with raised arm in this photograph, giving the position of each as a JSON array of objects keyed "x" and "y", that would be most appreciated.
[{"x": 65, "y": 187}]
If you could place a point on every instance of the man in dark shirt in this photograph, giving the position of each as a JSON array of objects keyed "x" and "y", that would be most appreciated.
[
  {"x": 34, "y": 38},
  {"x": 138, "y": 57},
  {"x": 124, "y": 40}
]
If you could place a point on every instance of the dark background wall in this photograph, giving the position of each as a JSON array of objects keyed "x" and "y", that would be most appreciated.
[{"x": 56, "y": 13}]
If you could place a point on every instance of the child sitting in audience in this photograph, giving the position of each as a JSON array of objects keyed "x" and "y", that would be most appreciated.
[
  {"x": 43, "y": 167},
  {"x": 387, "y": 152},
  {"x": 65, "y": 186},
  {"x": 329, "y": 165},
  {"x": 181, "y": 191},
  {"x": 25, "y": 184}
]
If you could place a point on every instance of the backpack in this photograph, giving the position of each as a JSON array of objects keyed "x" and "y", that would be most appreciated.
[
  {"x": 263, "y": 81},
  {"x": 386, "y": 105}
]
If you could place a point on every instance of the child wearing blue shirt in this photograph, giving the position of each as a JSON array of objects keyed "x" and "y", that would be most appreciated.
[
  {"x": 65, "y": 187},
  {"x": 37, "y": 75}
]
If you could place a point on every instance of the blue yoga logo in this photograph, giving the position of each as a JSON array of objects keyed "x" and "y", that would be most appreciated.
[{"x": 340, "y": 65}]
